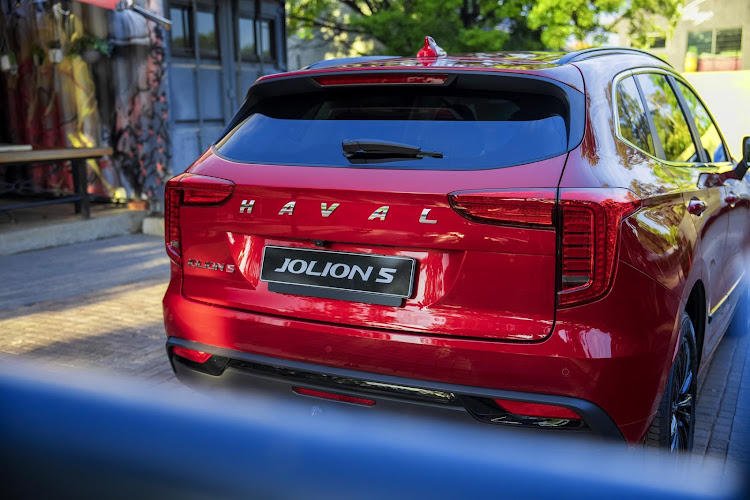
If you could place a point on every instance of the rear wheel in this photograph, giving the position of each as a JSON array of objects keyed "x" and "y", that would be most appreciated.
[{"x": 674, "y": 425}]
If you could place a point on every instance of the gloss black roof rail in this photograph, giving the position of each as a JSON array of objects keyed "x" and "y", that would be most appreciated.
[{"x": 580, "y": 55}]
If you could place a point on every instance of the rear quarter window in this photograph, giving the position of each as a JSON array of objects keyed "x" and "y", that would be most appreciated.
[
  {"x": 632, "y": 120},
  {"x": 472, "y": 129}
]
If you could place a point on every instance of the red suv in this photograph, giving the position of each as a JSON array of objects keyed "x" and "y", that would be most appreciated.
[{"x": 528, "y": 239}]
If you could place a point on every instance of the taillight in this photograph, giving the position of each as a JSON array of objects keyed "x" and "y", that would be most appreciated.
[
  {"x": 524, "y": 208},
  {"x": 536, "y": 409},
  {"x": 384, "y": 79},
  {"x": 190, "y": 189},
  {"x": 589, "y": 223},
  {"x": 590, "y": 226}
]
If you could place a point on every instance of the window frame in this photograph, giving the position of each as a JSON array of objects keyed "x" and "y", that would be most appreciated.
[
  {"x": 271, "y": 56},
  {"x": 257, "y": 21},
  {"x": 244, "y": 13},
  {"x": 181, "y": 51},
  {"x": 194, "y": 51},
  {"x": 658, "y": 147}
]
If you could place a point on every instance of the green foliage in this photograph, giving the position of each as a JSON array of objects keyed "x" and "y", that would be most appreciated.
[
  {"x": 39, "y": 54},
  {"x": 480, "y": 25},
  {"x": 86, "y": 42}
]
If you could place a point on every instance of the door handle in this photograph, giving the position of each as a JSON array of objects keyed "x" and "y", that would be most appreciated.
[
  {"x": 732, "y": 198},
  {"x": 696, "y": 206}
]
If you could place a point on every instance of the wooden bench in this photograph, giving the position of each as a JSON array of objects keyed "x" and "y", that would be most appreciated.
[{"x": 77, "y": 158}]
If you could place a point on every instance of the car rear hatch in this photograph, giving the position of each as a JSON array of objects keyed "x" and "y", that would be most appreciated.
[{"x": 418, "y": 203}]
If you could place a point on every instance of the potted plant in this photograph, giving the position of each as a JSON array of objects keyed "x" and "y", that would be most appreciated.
[
  {"x": 691, "y": 59},
  {"x": 38, "y": 54},
  {"x": 8, "y": 62},
  {"x": 55, "y": 51},
  {"x": 89, "y": 48}
]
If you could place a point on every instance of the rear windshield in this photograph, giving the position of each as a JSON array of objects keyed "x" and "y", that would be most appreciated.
[{"x": 472, "y": 129}]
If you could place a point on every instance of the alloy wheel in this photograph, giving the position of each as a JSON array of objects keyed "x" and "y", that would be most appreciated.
[{"x": 683, "y": 400}]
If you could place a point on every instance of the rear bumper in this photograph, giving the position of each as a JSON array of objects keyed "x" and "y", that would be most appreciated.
[
  {"x": 607, "y": 358},
  {"x": 278, "y": 377}
]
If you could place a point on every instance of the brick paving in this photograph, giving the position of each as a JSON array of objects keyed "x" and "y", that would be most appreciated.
[
  {"x": 724, "y": 398},
  {"x": 98, "y": 305},
  {"x": 89, "y": 305}
]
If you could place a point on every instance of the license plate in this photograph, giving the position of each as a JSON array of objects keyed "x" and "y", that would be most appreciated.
[{"x": 357, "y": 277}]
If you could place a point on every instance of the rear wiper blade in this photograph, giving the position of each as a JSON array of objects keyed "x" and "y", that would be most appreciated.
[{"x": 375, "y": 150}]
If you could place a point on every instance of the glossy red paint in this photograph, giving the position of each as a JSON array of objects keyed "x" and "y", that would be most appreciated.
[
  {"x": 486, "y": 310},
  {"x": 449, "y": 253}
]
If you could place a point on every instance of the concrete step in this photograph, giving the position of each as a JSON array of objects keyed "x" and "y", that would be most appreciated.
[
  {"x": 52, "y": 233},
  {"x": 153, "y": 225}
]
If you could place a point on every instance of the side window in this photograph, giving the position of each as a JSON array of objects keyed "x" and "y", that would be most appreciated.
[
  {"x": 669, "y": 120},
  {"x": 709, "y": 134},
  {"x": 632, "y": 119}
]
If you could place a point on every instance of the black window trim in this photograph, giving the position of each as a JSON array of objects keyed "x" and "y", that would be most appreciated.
[{"x": 652, "y": 128}]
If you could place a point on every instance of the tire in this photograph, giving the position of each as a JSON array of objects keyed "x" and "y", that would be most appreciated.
[{"x": 673, "y": 427}]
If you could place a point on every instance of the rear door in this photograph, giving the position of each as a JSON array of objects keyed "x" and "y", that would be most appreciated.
[
  {"x": 681, "y": 150},
  {"x": 467, "y": 236},
  {"x": 736, "y": 200}
]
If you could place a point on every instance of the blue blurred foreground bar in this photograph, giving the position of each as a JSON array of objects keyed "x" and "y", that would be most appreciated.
[{"x": 85, "y": 434}]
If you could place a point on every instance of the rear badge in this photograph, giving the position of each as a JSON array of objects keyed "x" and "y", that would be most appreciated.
[
  {"x": 211, "y": 266},
  {"x": 355, "y": 277},
  {"x": 326, "y": 210}
]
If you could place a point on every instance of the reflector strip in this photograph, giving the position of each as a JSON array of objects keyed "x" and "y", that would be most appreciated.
[
  {"x": 335, "y": 397},
  {"x": 191, "y": 354},
  {"x": 537, "y": 410}
]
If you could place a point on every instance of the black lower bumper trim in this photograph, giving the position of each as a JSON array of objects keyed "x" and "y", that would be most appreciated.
[{"x": 424, "y": 392}]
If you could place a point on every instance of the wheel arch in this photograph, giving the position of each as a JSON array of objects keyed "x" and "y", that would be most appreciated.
[{"x": 697, "y": 310}]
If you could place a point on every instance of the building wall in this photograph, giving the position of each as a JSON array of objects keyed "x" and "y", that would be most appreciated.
[
  {"x": 702, "y": 15},
  {"x": 727, "y": 95},
  {"x": 208, "y": 86}
]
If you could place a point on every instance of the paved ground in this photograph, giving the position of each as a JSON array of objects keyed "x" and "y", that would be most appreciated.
[
  {"x": 94, "y": 304},
  {"x": 98, "y": 305}
]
